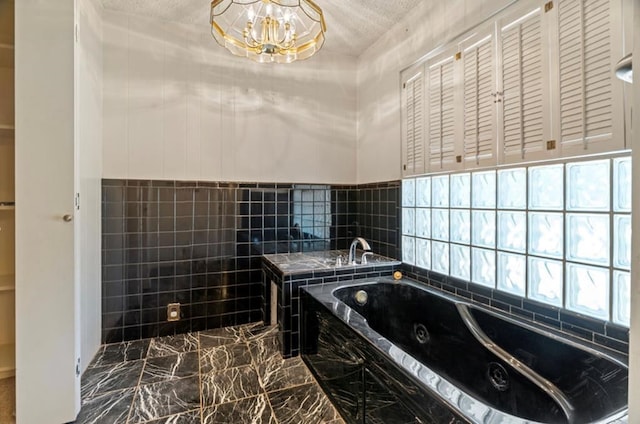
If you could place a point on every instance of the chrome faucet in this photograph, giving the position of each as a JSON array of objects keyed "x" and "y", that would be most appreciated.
[
  {"x": 351, "y": 260},
  {"x": 363, "y": 261}
]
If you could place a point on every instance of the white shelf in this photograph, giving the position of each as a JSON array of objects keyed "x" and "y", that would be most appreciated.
[
  {"x": 6, "y": 56},
  {"x": 7, "y": 283},
  {"x": 7, "y": 360}
]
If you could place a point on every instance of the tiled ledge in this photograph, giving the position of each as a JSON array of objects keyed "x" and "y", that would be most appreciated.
[{"x": 306, "y": 273}]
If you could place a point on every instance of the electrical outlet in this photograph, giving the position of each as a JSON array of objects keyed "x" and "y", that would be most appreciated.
[{"x": 173, "y": 312}]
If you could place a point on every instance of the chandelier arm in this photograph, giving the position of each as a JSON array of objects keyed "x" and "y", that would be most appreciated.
[{"x": 249, "y": 38}]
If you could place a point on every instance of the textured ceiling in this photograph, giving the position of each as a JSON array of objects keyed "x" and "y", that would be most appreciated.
[{"x": 352, "y": 25}]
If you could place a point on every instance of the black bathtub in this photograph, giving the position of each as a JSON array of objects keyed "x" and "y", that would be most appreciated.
[{"x": 398, "y": 352}]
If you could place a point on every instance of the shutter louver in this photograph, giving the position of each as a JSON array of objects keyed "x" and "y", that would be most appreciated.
[
  {"x": 414, "y": 124},
  {"x": 585, "y": 72},
  {"x": 479, "y": 107},
  {"x": 441, "y": 115},
  {"x": 522, "y": 57}
]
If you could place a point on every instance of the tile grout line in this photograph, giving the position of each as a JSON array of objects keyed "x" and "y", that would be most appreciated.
[
  {"x": 295, "y": 386},
  {"x": 273, "y": 412},
  {"x": 137, "y": 387},
  {"x": 266, "y": 395},
  {"x": 254, "y": 366},
  {"x": 250, "y": 365}
]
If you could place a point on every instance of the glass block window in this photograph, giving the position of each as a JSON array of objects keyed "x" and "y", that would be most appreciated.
[
  {"x": 460, "y": 262},
  {"x": 423, "y": 192},
  {"x": 512, "y": 188},
  {"x": 409, "y": 250},
  {"x": 512, "y": 273},
  {"x": 484, "y": 189},
  {"x": 460, "y": 191},
  {"x": 460, "y": 226},
  {"x": 546, "y": 190},
  {"x": 559, "y": 234},
  {"x": 409, "y": 221}
]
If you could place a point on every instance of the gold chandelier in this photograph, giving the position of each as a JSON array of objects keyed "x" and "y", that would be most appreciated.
[{"x": 265, "y": 31}]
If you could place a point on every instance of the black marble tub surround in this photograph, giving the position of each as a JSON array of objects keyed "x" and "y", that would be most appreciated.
[
  {"x": 227, "y": 375},
  {"x": 291, "y": 272},
  {"x": 200, "y": 244},
  {"x": 361, "y": 383},
  {"x": 468, "y": 358}
]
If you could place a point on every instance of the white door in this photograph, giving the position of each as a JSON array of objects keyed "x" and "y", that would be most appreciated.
[{"x": 48, "y": 387}]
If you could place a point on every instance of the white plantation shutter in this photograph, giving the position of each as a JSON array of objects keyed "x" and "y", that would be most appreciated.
[
  {"x": 585, "y": 72},
  {"x": 478, "y": 102},
  {"x": 523, "y": 87},
  {"x": 534, "y": 84},
  {"x": 413, "y": 125},
  {"x": 442, "y": 125}
]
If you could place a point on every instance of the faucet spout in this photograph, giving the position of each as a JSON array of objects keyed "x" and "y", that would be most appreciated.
[{"x": 351, "y": 260}]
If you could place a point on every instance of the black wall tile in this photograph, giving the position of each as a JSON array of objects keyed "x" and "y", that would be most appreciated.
[{"x": 200, "y": 244}]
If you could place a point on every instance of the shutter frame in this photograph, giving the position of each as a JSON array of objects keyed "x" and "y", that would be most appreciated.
[
  {"x": 443, "y": 100},
  {"x": 525, "y": 110},
  {"x": 479, "y": 99},
  {"x": 588, "y": 43},
  {"x": 412, "y": 112}
]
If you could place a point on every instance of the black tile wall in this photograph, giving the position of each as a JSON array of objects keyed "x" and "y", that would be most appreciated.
[
  {"x": 372, "y": 211},
  {"x": 200, "y": 244},
  {"x": 605, "y": 334}
]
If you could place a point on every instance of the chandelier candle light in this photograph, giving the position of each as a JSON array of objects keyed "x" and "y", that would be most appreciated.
[{"x": 267, "y": 31}]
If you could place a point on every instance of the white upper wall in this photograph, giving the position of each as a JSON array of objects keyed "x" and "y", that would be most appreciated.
[
  {"x": 179, "y": 107},
  {"x": 431, "y": 25}
]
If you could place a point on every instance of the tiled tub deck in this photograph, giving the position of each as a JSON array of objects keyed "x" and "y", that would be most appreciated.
[{"x": 229, "y": 375}]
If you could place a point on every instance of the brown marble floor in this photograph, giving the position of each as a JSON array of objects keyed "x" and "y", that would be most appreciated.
[{"x": 229, "y": 375}]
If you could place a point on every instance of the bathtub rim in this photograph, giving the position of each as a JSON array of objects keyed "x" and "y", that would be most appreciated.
[{"x": 325, "y": 295}]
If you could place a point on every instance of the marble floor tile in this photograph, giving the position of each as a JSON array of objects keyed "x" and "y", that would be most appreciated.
[
  {"x": 172, "y": 367},
  {"x": 229, "y": 375},
  {"x": 302, "y": 404},
  {"x": 171, "y": 345},
  {"x": 229, "y": 385},
  {"x": 220, "y": 336},
  {"x": 112, "y": 408},
  {"x": 163, "y": 399},
  {"x": 265, "y": 349},
  {"x": 224, "y": 357},
  {"x": 191, "y": 417},
  {"x": 120, "y": 352},
  {"x": 254, "y": 410},
  {"x": 280, "y": 374},
  {"x": 258, "y": 331},
  {"x": 105, "y": 379}
]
